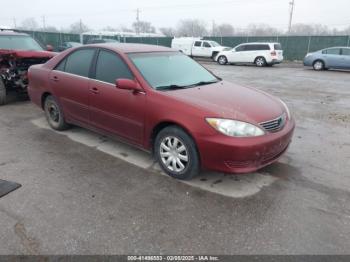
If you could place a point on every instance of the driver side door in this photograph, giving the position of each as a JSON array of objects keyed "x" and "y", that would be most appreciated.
[{"x": 113, "y": 110}]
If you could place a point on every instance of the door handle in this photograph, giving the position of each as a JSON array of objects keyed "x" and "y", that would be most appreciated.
[
  {"x": 94, "y": 90},
  {"x": 55, "y": 79}
]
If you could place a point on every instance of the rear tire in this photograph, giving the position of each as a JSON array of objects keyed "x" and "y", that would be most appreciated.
[
  {"x": 222, "y": 60},
  {"x": 318, "y": 65},
  {"x": 176, "y": 153},
  {"x": 260, "y": 61},
  {"x": 3, "y": 93},
  {"x": 54, "y": 114}
]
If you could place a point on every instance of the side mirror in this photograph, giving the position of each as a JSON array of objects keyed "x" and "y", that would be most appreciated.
[
  {"x": 128, "y": 84},
  {"x": 49, "y": 48}
]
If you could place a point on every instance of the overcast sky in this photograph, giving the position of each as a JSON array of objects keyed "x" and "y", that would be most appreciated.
[{"x": 161, "y": 13}]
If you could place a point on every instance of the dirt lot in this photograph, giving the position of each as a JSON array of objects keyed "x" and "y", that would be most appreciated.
[{"x": 85, "y": 194}]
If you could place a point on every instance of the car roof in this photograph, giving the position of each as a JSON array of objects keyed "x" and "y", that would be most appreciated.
[
  {"x": 261, "y": 43},
  {"x": 134, "y": 48},
  {"x": 8, "y": 32}
]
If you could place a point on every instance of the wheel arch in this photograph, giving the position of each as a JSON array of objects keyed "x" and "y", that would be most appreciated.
[
  {"x": 43, "y": 98},
  {"x": 166, "y": 123}
]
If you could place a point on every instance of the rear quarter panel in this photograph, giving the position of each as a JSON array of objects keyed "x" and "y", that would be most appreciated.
[{"x": 38, "y": 83}]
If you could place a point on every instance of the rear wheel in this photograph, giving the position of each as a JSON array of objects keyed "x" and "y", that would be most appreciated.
[
  {"x": 176, "y": 153},
  {"x": 222, "y": 60},
  {"x": 2, "y": 93},
  {"x": 318, "y": 65},
  {"x": 260, "y": 61},
  {"x": 54, "y": 114}
]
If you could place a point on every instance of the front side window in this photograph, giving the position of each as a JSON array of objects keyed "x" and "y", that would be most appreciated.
[
  {"x": 19, "y": 42},
  {"x": 198, "y": 43},
  {"x": 241, "y": 48},
  {"x": 332, "y": 51},
  {"x": 171, "y": 70},
  {"x": 206, "y": 44},
  {"x": 79, "y": 62},
  {"x": 111, "y": 67}
]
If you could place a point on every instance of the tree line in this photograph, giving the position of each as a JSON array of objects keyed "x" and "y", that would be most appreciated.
[{"x": 194, "y": 28}]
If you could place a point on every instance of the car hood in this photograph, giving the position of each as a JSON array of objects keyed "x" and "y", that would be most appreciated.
[
  {"x": 231, "y": 101},
  {"x": 28, "y": 54}
]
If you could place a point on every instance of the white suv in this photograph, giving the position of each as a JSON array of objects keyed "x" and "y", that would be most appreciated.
[{"x": 260, "y": 54}]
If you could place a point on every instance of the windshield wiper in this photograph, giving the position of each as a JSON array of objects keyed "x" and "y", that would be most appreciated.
[
  {"x": 170, "y": 87},
  {"x": 202, "y": 83}
]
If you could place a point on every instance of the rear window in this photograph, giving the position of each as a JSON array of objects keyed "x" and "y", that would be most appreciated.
[
  {"x": 78, "y": 63},
  {"x": 331, "y": 51},
  {"x": 277, "y": 46},
  {"x": 198, "y": 43}
]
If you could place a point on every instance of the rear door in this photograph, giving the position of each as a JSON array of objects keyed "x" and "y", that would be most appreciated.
[
  {"x": 70, "y": 84},
  {"x": 279, "y": 51},
  {"x": 117, "y": 111},
  {"x": 197, "y": 48}
]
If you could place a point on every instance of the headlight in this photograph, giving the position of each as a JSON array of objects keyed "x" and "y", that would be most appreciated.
[
  {"x": 287, "y": 109},
  {"x": 235, "y": 128}
]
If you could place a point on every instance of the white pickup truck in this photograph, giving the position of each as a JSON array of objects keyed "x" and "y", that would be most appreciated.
[{"x": 197, "y": 47}]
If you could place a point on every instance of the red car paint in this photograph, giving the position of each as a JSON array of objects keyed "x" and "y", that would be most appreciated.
[{"x": 136, "y": 116}]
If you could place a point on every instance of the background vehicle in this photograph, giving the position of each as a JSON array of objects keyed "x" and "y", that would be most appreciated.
[
  {"x": 101, "y": 41},
  {"x": 260, "y": 54},
  {"x": 333, "y": 57},
  {"x": 67, "y": 45},
  {"x": 196, "y": 47},
  {"x": 149, "y": 96},
  {"x": 17, "y": 53}
]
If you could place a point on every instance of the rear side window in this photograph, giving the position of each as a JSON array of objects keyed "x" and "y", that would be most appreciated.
[
  {"x": 79, "y": 62},
  {"x": 198, "y": 43},
  {"x": 277, "y": 46},
  {"x": 111, "y": 67},
  {"x": 332, "y": 51},
  {"x": 346, "y": 51}
]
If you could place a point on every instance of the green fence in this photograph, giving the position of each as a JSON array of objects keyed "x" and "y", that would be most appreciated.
[{"x": 295, "y": 47}]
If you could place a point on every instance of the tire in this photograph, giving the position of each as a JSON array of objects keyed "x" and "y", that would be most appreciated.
[
  {"x": 222, "y": 60},
  {"x": 54, "y": 115},
  {"x": 3, "y": 93},
  {"x": 318, "y": 65},
  {"x": 177, "y": 153},
  {"x": 260, "y": 61}
]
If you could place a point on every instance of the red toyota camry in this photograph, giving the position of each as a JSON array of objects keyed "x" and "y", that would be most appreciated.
[{"x": 160, "y": 100}]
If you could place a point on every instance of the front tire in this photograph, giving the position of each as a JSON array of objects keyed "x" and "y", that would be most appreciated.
[
  {"x": 176, "y": 153},
  {"x": 260, "y": 61},
  {"x": 222, "y": 60},
  {"x": 318, "y": 65},
  {"x": 3, "y": 93},
  {"x": 54, "y": 115}
]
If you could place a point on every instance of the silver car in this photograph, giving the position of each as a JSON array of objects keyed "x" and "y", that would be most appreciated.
[{"x": 333, "y": 57}]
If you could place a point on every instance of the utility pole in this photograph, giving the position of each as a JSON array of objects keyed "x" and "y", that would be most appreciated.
[
  {"x": 291, "y": 4},
  {"x": 44, "y": 22},
  {"x": 14, "y": 23},
  {"x": 81, "y": 31},
  {"x": 138, "y": 21}
]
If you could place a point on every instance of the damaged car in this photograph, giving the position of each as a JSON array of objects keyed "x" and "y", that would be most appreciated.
[{"x": 18, "y": 52}]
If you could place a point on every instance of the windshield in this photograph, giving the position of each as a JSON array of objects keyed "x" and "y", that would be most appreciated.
[
  {"x": 171, "y": 70},
  {"x": 19, "y": 42},
  {"x": 214, "y": 44}
]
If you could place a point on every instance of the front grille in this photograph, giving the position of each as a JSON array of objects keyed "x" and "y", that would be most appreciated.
[{"x": 275, "y": 124}]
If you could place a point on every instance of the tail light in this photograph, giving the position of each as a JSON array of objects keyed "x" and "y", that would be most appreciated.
[{"x": 273, "y": 53}]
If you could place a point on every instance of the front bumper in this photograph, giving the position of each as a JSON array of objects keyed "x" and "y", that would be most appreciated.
[{"x": 243, "y": 155}]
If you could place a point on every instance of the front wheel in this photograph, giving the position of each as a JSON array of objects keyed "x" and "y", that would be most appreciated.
[
  {"x": 318, "y": 65},
  {"x": 176, "y": 153},
  {"x": 54, "y": 115},
  {"x": 2, "y": 93},
  {"x": 222, "y": 60}
]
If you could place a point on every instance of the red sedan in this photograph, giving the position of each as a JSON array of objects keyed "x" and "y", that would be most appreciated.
[{"x": 163, "y": 101}]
